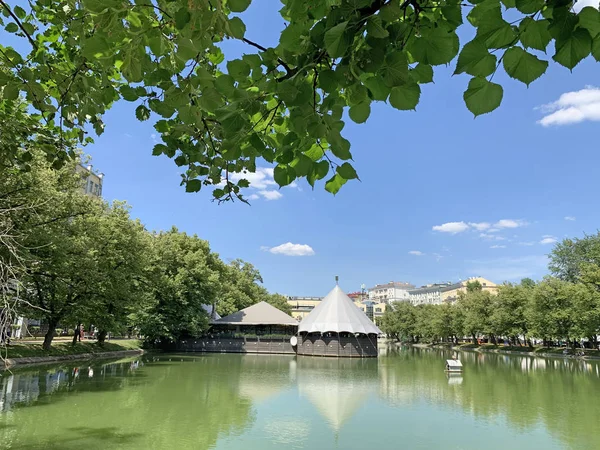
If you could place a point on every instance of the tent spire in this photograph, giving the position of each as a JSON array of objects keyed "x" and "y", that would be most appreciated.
[{"x": 337, "y": 279}]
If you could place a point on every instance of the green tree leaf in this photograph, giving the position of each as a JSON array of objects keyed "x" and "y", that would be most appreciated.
[
  {"x": 142, "y": 113},
  {"x": 182, "y": 18},
  {"x": 523, "y": 66},
  {"x": 406, "y": 96},
  {"x": 128, "y": 93},
  {"x": 571, "y": 51},
  {"x": 360, "y": 112},
  {"x": 482, "y": 96},
  {"x": 596, "y": 48},
  {"x": 12, "y": 27},
  {"x": 435, "y": 46},
  {"x": 10, "y": 92},
  {"x": 453, "y": 14},
  {"x": 337, "y": 40},
  {"x": 335, "y": 183},
  {"x": 20, "y": 12},
  {"x": 328, "y": 80},
  {"x": 496, "y": 32},
  {"x": 375, "y": 28},
  {"x": 210, "y": 100},
  {"x": 395, "y": 69},
  {"x": 238, "y": 6},
  {"x": 237, "y": 27},
  {"x": 476, "y": 60},
  {"x": 535, "y": 33},
  {"x": 347, "y": 171},
  {"x": 238, "y": 69},
  {"x": 291, "y": 37},
  {"x": 377, "y": 88},
  {"x": 284, "y": 175},
  {"x": 529, "y": 6},
  {"x": 193, "y": 185},
  {"x": 589, "y": 18},
  {"x": 422, "y": 73}
]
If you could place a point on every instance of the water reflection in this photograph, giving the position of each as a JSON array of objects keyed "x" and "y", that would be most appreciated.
[
  {"x": 203, "y": 401},
  {"x": 336, "y": 387}
]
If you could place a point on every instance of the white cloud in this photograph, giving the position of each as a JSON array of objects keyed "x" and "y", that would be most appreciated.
[
  {"x": 451, "y": 227},
  {"x": 262, "y": 184},
  {"x": 573, "y": 107},
  {"x": 480, "y": 226},
  {"x": 416, "y": 253},
  {"x": 491, "y": 237},
  {"x": 271, "y": 195},
  {"x": 580, "y": 4},
  {"x": 498, "y": 246},
  {"x": 437, "y": 257},
  {"x": 509, "y": 223},
  {"x": 290, "y": 249},
  {"x": 570, "y": 218},
  {"x": 548, "y": 239},
  {"x": 527, "y": 244}
]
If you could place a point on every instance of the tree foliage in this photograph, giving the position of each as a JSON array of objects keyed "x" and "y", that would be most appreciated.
[
  {"x": 83, "y": 260},
  {"x": 280, "y": 102}
]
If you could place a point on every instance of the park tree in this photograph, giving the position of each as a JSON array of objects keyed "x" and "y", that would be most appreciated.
[
  {"x": 475, "y": 309},
  {"x": 400, "y": 321},
  {"x": 57, "y": 244},
  {"x": 281, "y": 102},
  {"x": 279, "y": 301},
  {"x": 182, "y": 277},
  {"x": 585, "y": 312},
  {"x": 550, "y": 314},
  {"x": 509, "y": 306},
  {"x": 121, "y": 257},
  {"x": 577, "y": 260}
]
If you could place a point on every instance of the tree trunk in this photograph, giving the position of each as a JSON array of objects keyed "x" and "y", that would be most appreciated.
[
  {"x": 76, "y": 334},
  {"x": 493, "y": 339},
  {"x": 102, "y": 337},
  {"x": 474, "y": 338},
  {"x": 49, "y": 335}
]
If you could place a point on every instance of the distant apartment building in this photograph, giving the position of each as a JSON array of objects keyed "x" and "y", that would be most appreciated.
[
  {"x": 302, "y": 306},
  {"x": 438, "y": 293},
  {"x": 92, "y": 181},
  {"x": 394, "y": 291}
]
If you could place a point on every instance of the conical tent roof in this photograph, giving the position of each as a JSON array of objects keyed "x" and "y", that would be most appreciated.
[
  {"x": 337, "y": 313},
  {"x": 211, "y": 311},
  {"x": 259, "y": 314}
]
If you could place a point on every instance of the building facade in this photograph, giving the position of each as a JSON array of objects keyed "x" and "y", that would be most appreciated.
[
  {"x": 302, "y": 306},
  {"x": 438, "y": 293},
  {"x": 92, "y": 181},
  {"x": 393, "y": 291}
]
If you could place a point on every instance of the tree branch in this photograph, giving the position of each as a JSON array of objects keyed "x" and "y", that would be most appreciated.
[{"x": 16, "y": 19}]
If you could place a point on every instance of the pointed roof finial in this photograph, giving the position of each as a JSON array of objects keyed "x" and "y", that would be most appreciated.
[{"x": 337, "y": 279}]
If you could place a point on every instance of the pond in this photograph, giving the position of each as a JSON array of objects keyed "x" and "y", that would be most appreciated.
[{"x": 403, "y": 399}]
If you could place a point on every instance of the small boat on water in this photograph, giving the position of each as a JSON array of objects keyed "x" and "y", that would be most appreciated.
[{"x": 453, "y": 366}]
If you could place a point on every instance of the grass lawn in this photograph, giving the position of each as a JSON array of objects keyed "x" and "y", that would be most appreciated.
[{"x": 27, "y": 350}]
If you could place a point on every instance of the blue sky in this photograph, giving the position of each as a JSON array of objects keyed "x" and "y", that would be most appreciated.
[{"x": 419, "y": 170}]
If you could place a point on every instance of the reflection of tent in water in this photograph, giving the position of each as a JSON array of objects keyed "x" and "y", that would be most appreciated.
[
  {"x": 264, "y": 377},
  {"x": 336, "y": 387}
]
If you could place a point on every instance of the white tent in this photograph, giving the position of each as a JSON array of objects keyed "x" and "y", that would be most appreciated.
[
  {"x": 211, "y": 311},
  {"x": 337, "y": 313},
  {"x": 261, "y": 313}
]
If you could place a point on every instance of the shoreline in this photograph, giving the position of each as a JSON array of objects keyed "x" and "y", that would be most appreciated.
[
  {"x": 500, "y": 351},
  {"x": 34, "y": 360}
]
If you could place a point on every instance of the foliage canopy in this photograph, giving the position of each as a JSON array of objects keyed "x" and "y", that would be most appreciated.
[{"x": 280, "y": 102}]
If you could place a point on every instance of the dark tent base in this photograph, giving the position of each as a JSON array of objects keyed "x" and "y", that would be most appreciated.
[{"x": 344, "y": 345}]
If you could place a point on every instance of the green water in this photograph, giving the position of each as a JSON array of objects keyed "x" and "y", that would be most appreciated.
[{"x": 402, "y": 400}]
